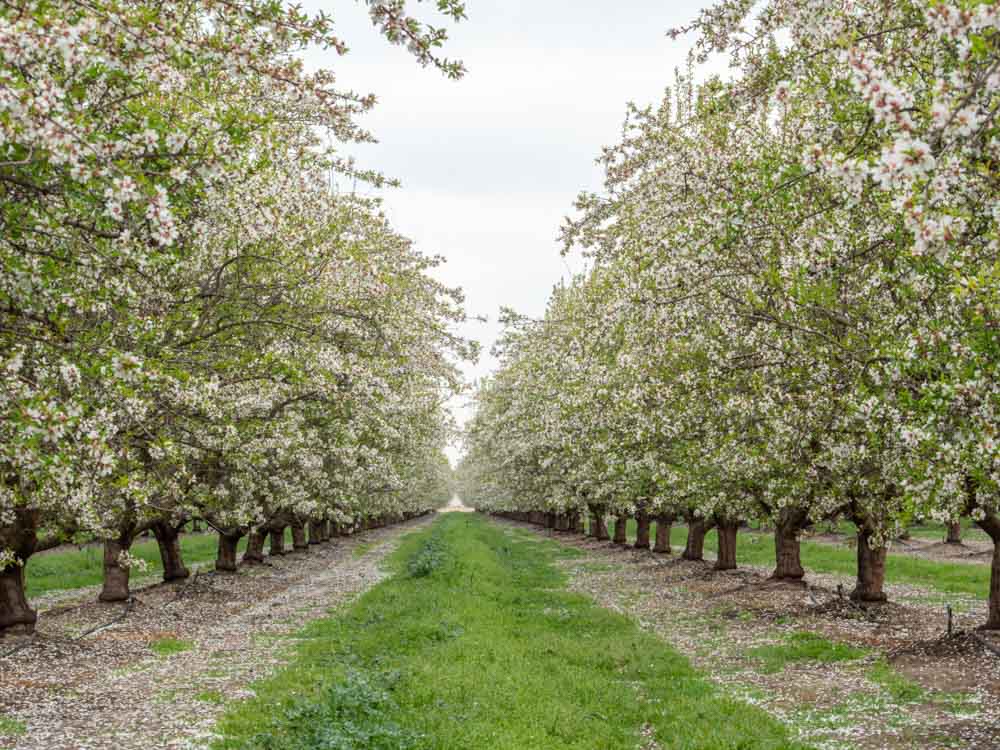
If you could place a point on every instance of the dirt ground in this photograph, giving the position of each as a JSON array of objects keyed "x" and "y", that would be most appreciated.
[
  {"x": 110, "y": 689},
  {"x": 913, "y": 687}
]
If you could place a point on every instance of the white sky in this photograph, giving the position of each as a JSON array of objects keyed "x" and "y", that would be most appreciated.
[{"x": 491, "y": 164}]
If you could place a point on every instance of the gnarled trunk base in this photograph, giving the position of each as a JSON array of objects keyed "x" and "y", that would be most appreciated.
[
  {"x": 168, "y": 539},
  {"x": 299, "y": 541},
  {"x": 871, "y": 571},
  {"x": 277, "y": 542},
  {"x": 621, "y": 523},
  {"x": 695, "y": 547},
  {"x": 991, "y": 525},
  {"x": 225, "y": 557},
  {"x": 662, "y": 543},
  {"x": 726, "y": 559},
  {"x": 787, "y": 547},
  {"x": 954, "y": 534},
  {"x": 254, "y": 553},
  {"x": 16, "y": 617},
  {"x": 116, "y": 575},
  {"x": 642, "y": 531}
]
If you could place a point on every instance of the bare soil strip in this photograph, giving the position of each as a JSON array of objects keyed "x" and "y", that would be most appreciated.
[
  {"x": 950, "y": 694},
  {"x": 110, "y": 689}
]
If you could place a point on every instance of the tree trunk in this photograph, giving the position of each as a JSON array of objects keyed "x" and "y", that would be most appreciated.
[
  {"x": 621, "y": 522},
  {"x": 315, "y": 532},
  {"x": 21, "y": 537},
  {"x": 642, "y": 531},
  {"x": 787, "y": 547},
  {"x": 225, "y": 558},
  {"x": 991, "y": 525},
  {"x": 662, "y": 545},
  {"x": 277, "y": 542},
  {"x": 168, "y": 538},
  {"x": 695, "y": 547},
  {"x": 578, "y": 523},
  {"x": 550, "y": 520},
  {"x": 954, "y": 533},
  {"x": 871, "y": 570},
  {"x": 15, "y": 614},
  {"x": 726, "y": 559},
  {"x": 116, "y": 576},
  {"x": 299, "y": 541},
  {"x": 254, "y": 554}
]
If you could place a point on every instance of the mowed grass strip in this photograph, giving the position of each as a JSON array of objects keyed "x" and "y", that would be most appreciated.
[
  {"x": 475, "y": 642},
  {"x": 756, "y": 548}
]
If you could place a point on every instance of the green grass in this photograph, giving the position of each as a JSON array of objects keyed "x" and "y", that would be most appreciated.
[
  {"x": 475, "y": 642},
  {"x": 73, "y": 569},
  {"x": 170, "y": 646},
  {"x": 754, "y": 548},
  {"x": 901, "y": 688},
  {"x": 210, "y": 696},
  {"x": 801, "y": 646},
  {"x": 12, "y": 727},
  {"x": 927, "y": 530}
]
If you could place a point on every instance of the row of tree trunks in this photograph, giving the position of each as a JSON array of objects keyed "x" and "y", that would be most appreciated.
[
  {"x": 871, "y": 561},
  {"x": 21, "y": 537}
]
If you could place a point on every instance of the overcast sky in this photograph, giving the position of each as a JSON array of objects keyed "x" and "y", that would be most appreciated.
[{"x": 491, "y": 164}]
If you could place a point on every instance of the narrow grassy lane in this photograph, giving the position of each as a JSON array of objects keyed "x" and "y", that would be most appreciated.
[{"x": 474, "y": 642}]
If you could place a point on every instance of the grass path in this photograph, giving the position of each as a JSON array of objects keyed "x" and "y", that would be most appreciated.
[{"x": 475, "y": 642}]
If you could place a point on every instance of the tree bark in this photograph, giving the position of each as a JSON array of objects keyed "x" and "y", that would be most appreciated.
[
  {"x": 954, "y": 533},
  {"x": 168, "y": 539},
  {"x": 642, "y": 531},
  {"x": 601, "y": 532},
  {"x": 991, "y": 525},
  {"x": 315, "y": 532},
  {"x": 277, "y": 542},
  {"x": 254, "y": 553},
  {"x": 662, "y": 544},
  {"x": 871, "y": 570},
  {"x": 727, "y": 530},
  {"x": 116, "y": 576},
  {"x": 15, "y": 614},
  {"x": 578, "y": 522},
  {"x": 695, "y": 547},
  {"x": 299, "y": 541},
  {"x": 225, "y": 558},
  {"x": 21, "y": 537},
  {"x": 787, "y": 547},
  {"x": 621, "y": 522}
]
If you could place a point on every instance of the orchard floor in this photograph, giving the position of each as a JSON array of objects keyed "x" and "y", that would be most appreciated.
[
  {"x": 162, "y": 676},
  {"x": 476, "y": 633},
  {"x": 840, "y": 676}
]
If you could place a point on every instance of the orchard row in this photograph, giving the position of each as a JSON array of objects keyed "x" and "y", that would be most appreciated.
[
  {"x": 792, "y": 306},
  {"x": 193, "y": 323}
]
